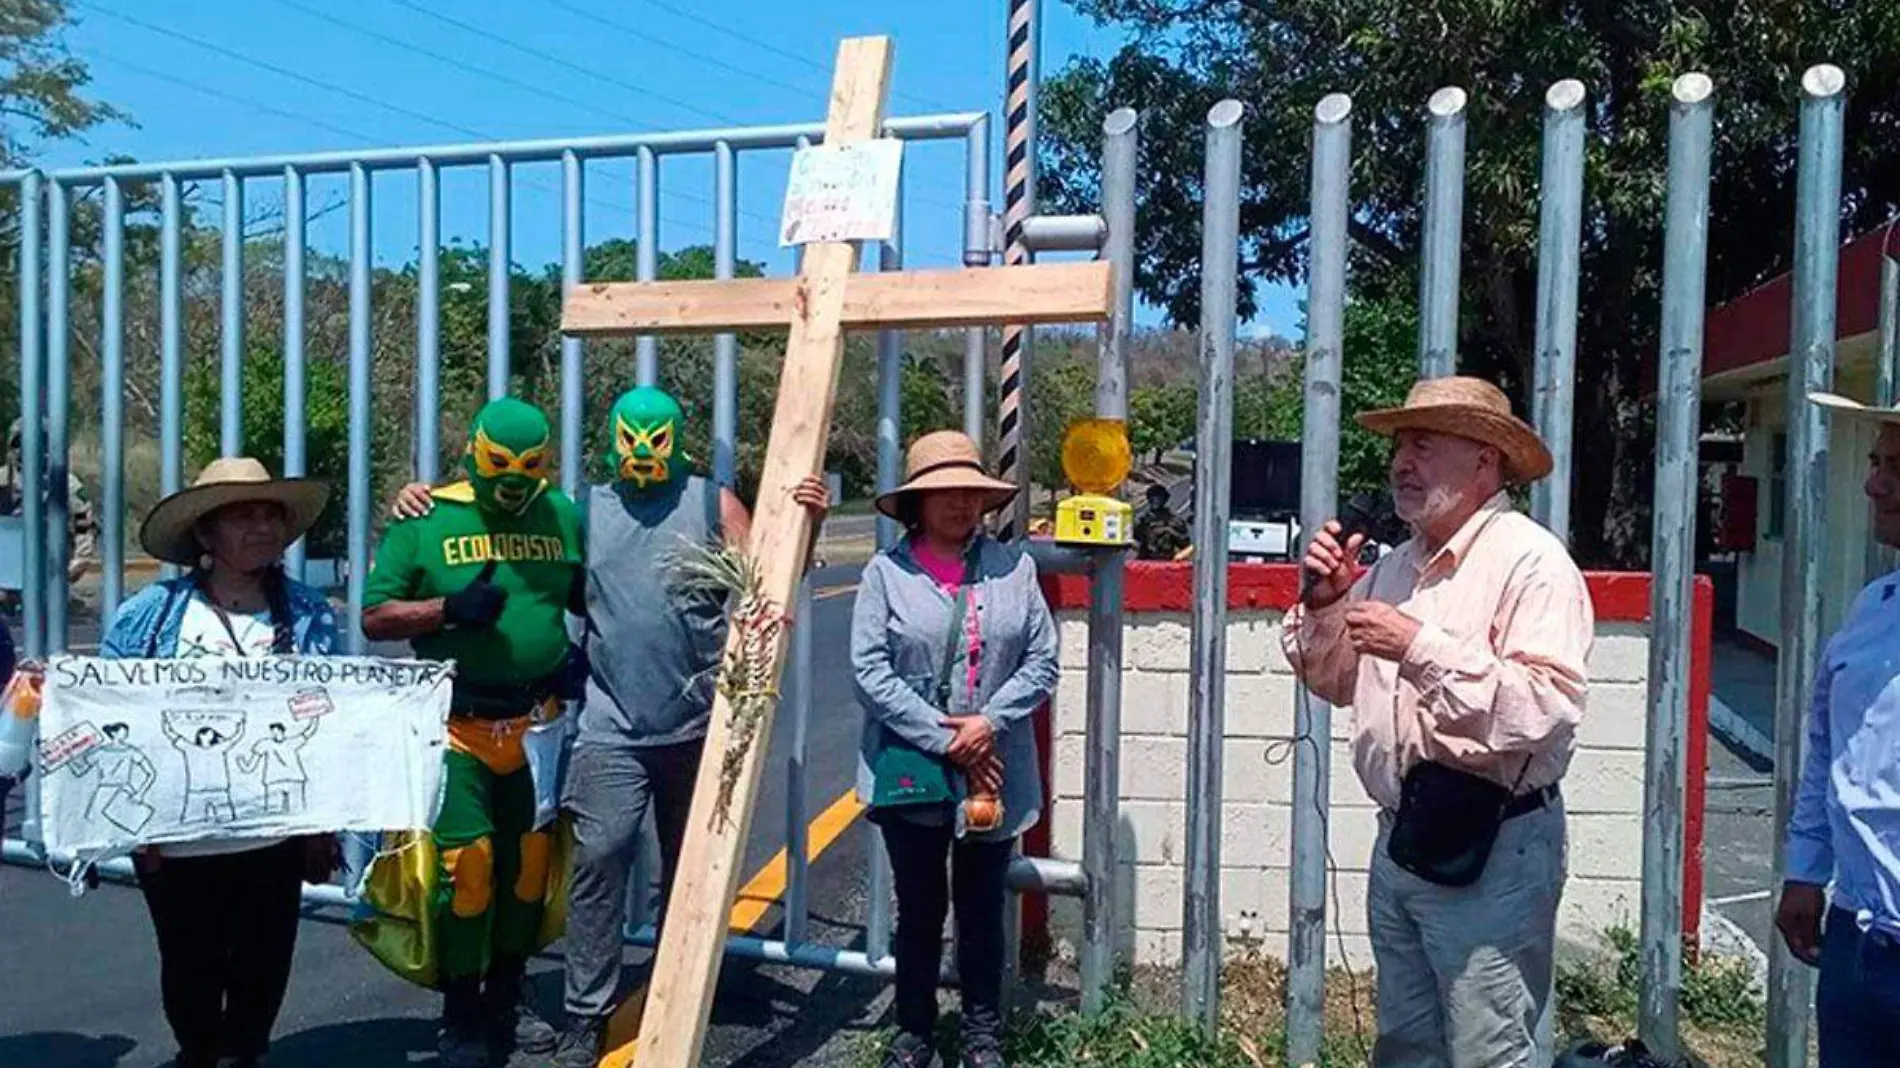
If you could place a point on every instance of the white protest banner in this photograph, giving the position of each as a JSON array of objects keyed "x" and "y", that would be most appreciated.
[
  {"x": 842, "y": 193},
  {"x": 140, "y": 752}
]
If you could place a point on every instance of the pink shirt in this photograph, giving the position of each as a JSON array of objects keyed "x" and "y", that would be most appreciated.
[
  {"x": 1495, "y": 676},
  {"x": 948, "y": 572}
]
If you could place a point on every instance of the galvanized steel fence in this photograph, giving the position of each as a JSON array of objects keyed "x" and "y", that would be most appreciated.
[
  {"x": 45, "y": 380},
  {"x": 46, "y": 404}
]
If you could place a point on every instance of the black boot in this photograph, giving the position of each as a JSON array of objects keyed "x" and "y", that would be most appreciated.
[
  {"x": 460, "y": 1043},
  {"x": 910, "y": 1051},
  {"x": 508, "y": 1018},
  {"x": 982, "y": 1038},
  {"x": 583, "y": 1043}
]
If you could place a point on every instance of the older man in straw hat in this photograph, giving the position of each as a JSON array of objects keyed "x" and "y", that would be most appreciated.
[
  {"x": 1462, "y": 654},
  {"x": 1846, "y": 825}
]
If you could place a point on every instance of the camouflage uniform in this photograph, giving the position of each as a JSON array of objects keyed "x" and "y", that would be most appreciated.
[
  {"x": 1160, "y": 534},
  {"x": 82, "y": 528}
]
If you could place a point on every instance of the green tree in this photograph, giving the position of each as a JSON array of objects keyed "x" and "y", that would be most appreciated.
[
  {"x": 41, "y": 82},
  {"x": 326, "y": 426},
  {"x": 1160, "y": 418},
  {"x": 1281, "y": 57},
  {"x": 1059, "y": 394}
]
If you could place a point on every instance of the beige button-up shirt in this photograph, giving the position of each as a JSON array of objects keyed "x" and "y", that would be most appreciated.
[{"x": 1496, "y": 674}]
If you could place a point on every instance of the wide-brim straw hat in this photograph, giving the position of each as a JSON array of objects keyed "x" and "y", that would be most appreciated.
[
  {"x": 1854, "y": 409},
  {"x": 946, "y": 460},
  {"x": 170, "y": 533},
  {"x": 1468, "y": 408}
]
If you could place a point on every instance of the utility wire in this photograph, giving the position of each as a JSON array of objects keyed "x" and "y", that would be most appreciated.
[
  {"x": 396, "y": 42},
  {"x": 258, "y": 105},
  {"x": 458, "y": 64},
  {"x": 345, "y": 92},
  {"x": 548, "y": 57},
  {"x": 756, "y": 42},
  {"x": 701, "y": 57}
]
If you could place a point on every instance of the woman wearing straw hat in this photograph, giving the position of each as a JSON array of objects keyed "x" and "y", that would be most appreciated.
[
  {"x": 953, "y": 649},
  {"x": 225, "y": 910}
]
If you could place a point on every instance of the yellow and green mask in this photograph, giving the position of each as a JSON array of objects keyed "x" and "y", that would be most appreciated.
[
  {"x": 509, "y": 455},
  {"x": 646, "y": 451}
]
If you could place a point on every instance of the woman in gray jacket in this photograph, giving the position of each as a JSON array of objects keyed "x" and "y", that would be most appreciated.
[{"x": 953, "y": 650}]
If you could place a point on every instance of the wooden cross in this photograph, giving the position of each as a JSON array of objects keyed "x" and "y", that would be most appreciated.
[{"x": 825, "y": 299}]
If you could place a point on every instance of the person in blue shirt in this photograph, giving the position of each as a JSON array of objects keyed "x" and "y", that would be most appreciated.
[{"x": 1845, "y": 833}]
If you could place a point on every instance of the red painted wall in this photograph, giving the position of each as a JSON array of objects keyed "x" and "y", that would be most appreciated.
[{"x": 1618, "y": 597}]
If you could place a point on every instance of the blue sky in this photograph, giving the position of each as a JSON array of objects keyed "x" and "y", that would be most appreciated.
[{"x": 226, "y": 78}]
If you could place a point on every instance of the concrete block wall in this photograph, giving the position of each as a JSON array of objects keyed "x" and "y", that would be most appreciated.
[{"x": 1603, "y": 791}]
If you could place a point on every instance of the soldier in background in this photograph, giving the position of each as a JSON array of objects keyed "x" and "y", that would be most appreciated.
[
  {"x": 82, "y": 530},
  {"x": 1160, "y": 534}
]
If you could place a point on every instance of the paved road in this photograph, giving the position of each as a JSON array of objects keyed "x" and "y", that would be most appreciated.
[{"x": 81, "y": 976}]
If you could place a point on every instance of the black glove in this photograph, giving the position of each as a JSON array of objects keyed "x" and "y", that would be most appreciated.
[{"x": 477, "y": 605}]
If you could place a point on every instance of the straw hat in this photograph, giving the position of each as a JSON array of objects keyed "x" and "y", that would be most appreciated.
[
  {"x": 946, "y": 460},
  {"x": 170, "y": 532},
  {"x": 1468, "y": 408},
  {"x": 1855, "y": 409}
]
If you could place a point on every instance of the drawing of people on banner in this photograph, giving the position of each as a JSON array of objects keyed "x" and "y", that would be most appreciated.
[
  {"x": 205, "y": 740},
  {"x": 284, "y": 775},
  {"x": 125, "y": 775}
]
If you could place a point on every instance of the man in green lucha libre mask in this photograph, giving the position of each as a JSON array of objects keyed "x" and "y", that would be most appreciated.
[
  {"x": 486, "y": 580},
  {"x": 653, "y": 651}
]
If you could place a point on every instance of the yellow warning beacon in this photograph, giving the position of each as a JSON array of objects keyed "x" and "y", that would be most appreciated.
[{"x": 1096, "y": 459}]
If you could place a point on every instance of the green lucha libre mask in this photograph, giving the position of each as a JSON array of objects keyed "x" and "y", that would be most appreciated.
[
  {"x": 509, "y": 453},
  {"x": 646, "y": 447}
]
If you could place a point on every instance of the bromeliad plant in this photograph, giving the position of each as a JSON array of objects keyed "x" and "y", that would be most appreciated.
[{"x": 744, "y": 678}]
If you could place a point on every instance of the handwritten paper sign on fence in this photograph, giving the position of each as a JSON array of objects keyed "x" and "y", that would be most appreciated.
[
  {"x": 842, "y": 193},
  {"x": 139, "y": 752}
]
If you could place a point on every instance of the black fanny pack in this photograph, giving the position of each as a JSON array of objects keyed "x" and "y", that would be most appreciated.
[{"x": 1448, "y": 820}]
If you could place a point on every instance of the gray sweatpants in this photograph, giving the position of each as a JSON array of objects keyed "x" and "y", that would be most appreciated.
[
  {"x": 608, "y": 791},
  {"x": 1465, "y": 973}
]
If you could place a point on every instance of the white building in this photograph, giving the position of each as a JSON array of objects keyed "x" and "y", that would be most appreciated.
[{"x": 1745, "y": 358}]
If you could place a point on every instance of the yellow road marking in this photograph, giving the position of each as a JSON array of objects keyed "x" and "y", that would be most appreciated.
[
  {"x": 826, "y": 593},
  {"x": 754, "y": 900}
]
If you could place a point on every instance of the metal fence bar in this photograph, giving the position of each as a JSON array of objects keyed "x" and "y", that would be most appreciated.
[
  {"x": 359, "y": 374},
  {"x": 1064, "y": 233},
  {"x": 1444, "y": 233},
  {"x": 32, "y": 419},
  {"x": 797, "y": 761},
  {"x": 647, "y": 256},
  {"x": 890, "y": 465},
  {"x": 1101, "y": 816},
  {"x": 231, "y": 322},
  {"x": 725, "y": 346},
  {"x": 1220, "y": 255},
  {"x": 59, "y": 382},
  {"x": 1672, "y": 552},
  {"x": 1560, "y": 222},
  {"x": 941, "y": 127},
  {"x": 111, "y": 516},
  {"x": 498, "y": 234},
  {"x": 428, "y": 323},
  {"x": 573, "y": 384},
  {"x": 171, "y": 328},
  {"x": 797, "y": 830},
  {"x": 1803, "y": 571},
  {"x": 295, "y": 377},
  {"x": 1319, "y": 502},
  {"x": 976, "y": 253},
  {"x": 1881, "y": 558}
]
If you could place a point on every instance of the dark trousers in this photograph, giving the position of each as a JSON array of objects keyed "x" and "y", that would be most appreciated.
[
  {"x": 606, "y": 796},
  {"x": 1858, "y": 1002},
  {"x": 932, "y": 870},
  {"x": 226, "y": 926}
]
